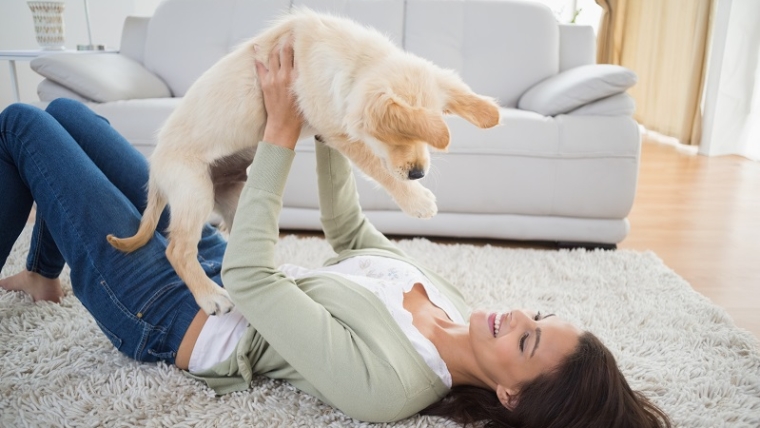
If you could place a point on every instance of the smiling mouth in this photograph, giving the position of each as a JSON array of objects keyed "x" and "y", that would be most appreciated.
[{"x": 494, "y": 322}]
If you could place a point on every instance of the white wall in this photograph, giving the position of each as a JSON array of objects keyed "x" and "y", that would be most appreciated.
[{"x": 17, "y": 32}]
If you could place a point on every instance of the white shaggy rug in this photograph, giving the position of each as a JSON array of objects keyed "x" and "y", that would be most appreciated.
[{"x": 57, "y": 368}]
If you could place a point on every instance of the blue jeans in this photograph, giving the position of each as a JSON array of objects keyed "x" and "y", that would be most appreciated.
[{"x": 88, "y": 181}]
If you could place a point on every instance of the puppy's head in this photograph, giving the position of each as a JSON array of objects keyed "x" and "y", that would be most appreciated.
[
  {"x": 403, "y": 114},
  {"x": 400, "y": 133}
]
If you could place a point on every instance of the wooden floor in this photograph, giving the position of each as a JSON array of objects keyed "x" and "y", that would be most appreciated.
[{"x": 701, "y": 216}]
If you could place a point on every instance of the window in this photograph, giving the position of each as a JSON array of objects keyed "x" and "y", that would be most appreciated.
[{"x": 584, "y": 12}]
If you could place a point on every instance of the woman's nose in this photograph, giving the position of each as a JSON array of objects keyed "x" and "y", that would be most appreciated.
[{"x": 521, "y": 316}]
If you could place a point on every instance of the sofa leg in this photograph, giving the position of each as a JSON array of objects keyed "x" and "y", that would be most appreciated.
[{"x": 571, "y": 245}]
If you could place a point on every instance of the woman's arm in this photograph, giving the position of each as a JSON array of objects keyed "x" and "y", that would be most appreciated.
[
  {"x": 284, "y": 121},
  {"x": 343, "y": 222},
  {"x": 321, "y": 348}
]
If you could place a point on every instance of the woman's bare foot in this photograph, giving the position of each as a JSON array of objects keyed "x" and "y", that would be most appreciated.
[{"x": 35, "y": 285}]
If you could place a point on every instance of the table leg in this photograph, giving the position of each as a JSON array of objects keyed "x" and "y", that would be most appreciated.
[{"x": 14, "y": 80}]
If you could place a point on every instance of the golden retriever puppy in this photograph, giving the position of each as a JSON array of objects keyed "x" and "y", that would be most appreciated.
[{"x": 380, "y": 106}]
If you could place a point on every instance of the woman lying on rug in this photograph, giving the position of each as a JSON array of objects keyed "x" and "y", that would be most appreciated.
[{"x": 372, "y": 333}]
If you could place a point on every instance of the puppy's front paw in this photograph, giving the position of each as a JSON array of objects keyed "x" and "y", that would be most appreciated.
[
  {"x": 417, "y": 201},
  {"x": 216, "y": 302}
]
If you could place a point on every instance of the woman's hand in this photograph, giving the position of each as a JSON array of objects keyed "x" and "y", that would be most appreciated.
[{"x": 284, "y": 121}]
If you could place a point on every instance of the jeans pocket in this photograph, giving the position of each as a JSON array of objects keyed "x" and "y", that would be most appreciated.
[
  {"x": 115, "y": 340},
  {"x": 163, "y": 356},
  {"x": 156, "y": 346}
]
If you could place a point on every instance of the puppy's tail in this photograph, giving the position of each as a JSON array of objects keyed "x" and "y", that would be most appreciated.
[{"x": 148, "y": 224}]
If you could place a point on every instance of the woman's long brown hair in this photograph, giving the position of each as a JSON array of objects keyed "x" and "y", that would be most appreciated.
[{"x": 587, "y": 390}]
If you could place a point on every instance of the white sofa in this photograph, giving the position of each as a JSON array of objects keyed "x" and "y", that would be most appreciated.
[{"x": 562, "y": 166}]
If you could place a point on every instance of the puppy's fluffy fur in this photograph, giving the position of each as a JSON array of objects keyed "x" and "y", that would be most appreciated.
[{"x": 378, "y": 105}]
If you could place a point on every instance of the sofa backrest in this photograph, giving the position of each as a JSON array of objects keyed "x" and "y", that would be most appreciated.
[
  {"x": 386, "y": 16},
  {"x": 186, "y": 37},
  {"x": 500, "y": 48}
]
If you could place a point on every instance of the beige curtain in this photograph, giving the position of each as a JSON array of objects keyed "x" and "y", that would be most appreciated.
[{"x": 665, "y": 42}]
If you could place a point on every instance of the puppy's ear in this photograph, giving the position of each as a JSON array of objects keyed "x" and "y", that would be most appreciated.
[
  {"x": 481, "y": 111},
  {"x": 393, "y": 120}
]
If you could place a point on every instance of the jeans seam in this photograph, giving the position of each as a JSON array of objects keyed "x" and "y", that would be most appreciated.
[
  {"x": 34, "y": 267},
  {"x": 156, "y": 296},
  {"x": 141, "y": 345},
  {"x": 145, "y": 327},
  {"x": 35, "y": 264},
  {"x": 46, "y": 273},
  {"x": 113, "y": 338},
  {"x": 116, "y": 301},
  {"x": 150, "y": 328},
  {"x": 164, "y": 337}
]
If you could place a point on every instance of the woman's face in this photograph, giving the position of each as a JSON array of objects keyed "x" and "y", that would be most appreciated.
[{"x": 517, "y": 346}]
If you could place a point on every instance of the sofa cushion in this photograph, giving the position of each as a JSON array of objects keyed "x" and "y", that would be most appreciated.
[
  {"x": 582, "y": 166},
  {"x": 519, "y": 133},
  {"x": 138, "y": 120},
  {"x": 616, "y": 105},
  {"x": 101, "y": 77},
  {"x": 576, "y": 87},
  {"x": 528, "y": 134},
  {"x": 206, "y": 32},
  {"x": 531, "y": 164},
  {"x": 500, "y": 48},
  {"x": 48, "y": 90}
]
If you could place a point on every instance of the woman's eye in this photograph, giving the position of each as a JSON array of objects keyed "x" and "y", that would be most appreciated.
[
  {"x": 522, "y": 342},
  {"x": 538, "y": 316}
]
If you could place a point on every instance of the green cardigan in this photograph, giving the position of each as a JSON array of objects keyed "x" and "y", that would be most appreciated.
[{"x": 325, "y": 335}]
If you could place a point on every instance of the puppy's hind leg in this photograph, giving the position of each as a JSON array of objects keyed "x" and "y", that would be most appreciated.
[{"x": 190, "y": 206}]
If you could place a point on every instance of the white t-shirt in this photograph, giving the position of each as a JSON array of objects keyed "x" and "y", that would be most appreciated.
[{"x": 386, "y": 278}]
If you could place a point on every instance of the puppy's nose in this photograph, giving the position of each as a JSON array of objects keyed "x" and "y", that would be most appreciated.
[{"x": 416, "y": 173}]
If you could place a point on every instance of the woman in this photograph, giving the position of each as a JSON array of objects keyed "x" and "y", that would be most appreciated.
[{"x": 371, "y": 333}]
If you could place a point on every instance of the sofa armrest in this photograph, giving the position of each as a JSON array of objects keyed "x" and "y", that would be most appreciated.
[
  {"x": 101, "y": 77},
  {"x": 133, "y": 36},
  {"x": 576, "y": 87},
  {"x": 577, "y": 46}
]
